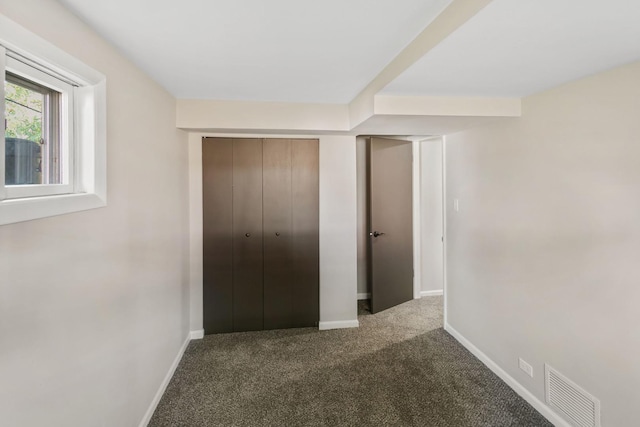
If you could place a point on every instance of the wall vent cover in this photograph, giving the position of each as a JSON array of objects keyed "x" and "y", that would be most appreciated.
[{"x": 569, "y": 400}]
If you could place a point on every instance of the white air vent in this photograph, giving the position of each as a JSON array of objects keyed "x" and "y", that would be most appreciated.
[{"x": 568, "y": 399}]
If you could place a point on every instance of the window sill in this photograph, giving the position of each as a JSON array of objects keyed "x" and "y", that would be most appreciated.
[{"x": 18, "y": 210}]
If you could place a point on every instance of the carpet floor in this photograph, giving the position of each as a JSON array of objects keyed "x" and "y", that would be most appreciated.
[{"x": 400, "y": 368}]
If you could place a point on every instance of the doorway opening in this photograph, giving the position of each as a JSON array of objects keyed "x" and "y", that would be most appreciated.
[{"x": 399, "y": 234}]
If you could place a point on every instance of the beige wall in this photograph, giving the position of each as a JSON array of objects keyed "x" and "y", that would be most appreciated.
[
  {"x": 248, "y": 116},
  {"x": 431, "y": 231},
  {"x": 338, "y": 232},
  {"x": 94, "y": 305},
  {"x": 543, "y": 255}
]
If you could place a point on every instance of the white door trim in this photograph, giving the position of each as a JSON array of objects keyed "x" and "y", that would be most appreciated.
[
  {"x": 444, "y": 226},
  {"x": 417, "y": 215}
]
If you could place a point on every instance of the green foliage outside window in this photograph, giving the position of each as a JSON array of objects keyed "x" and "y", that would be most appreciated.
[{"x": 23, "y": 112}]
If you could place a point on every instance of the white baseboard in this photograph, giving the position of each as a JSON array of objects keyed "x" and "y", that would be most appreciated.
[
  {"x": 431, "y": 293},
  {"x": 164, "y": 384},
  {"x": 339, "y": 324},
  {"x": 365, "y": 295},
  {"x": 540, "y": 406},
  {"x": 196, "y": 335}
]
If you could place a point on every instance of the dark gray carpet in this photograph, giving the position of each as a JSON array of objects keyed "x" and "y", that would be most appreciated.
[{"x": 400, "y": 368}]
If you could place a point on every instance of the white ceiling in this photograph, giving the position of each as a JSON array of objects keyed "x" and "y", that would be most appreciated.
[
  {"x": 319, "y": 51},
  {"x": 327, "y": 51},
  {"x": 514, "y": 48}
]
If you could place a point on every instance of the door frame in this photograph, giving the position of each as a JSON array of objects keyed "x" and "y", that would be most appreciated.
[
  {"x": 416, "y": 255},
  {"x": 417, "y": 212},
  {"x": 416, "y": 165},
  {"x": 444, "y": 228}
]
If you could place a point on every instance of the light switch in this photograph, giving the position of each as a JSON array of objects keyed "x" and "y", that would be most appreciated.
[{"x": 456, "y": 205}]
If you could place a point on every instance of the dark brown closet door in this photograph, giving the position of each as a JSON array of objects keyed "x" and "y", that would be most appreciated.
[
  {"x": 217, "y": 240},
  {"x": 247, "y": 235},
  {"x": 278, "y": 298},
  {"x": 305, "y": 228}
]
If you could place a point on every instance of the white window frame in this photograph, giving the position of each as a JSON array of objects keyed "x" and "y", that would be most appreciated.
[
  {"x": 67, "y": 115},
  {"x": 84, "y": 184}
]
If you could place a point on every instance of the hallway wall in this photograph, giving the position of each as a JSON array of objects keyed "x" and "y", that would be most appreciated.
[{"x": 431, "y": 230}]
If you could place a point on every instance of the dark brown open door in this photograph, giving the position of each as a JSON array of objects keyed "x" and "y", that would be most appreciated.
[{"x": 390, "y": 222}]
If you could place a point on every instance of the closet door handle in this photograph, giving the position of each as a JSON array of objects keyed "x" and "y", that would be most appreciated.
[{"x": 247, "y": 235}]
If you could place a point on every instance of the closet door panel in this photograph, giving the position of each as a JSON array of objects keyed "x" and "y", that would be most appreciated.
[
  {"x": 247, "y": 235},
  {"x": 278, "y": 299},
  {"x": 217, "y": 238},
  {"x": 305, "y": 227}
]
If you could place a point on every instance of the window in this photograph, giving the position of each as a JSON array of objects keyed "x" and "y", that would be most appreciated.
[
  {"x": 38, "y": 132},
  {"x": 52, "y": 149}
]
